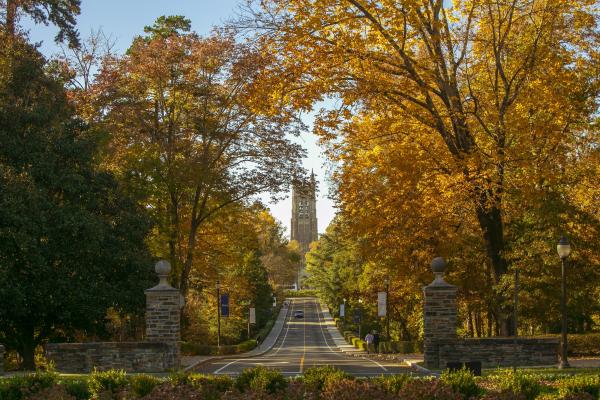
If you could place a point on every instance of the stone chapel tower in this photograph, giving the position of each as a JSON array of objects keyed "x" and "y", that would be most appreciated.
[{"x": 304, "y": 214}]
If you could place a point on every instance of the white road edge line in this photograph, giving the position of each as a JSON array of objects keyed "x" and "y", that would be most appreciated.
[
  {"x": 323, "y": 333},
  {"x": 287, "y": 329},
  {"x": 276, "y": 351},
  {"x": 225, "y": 366}
]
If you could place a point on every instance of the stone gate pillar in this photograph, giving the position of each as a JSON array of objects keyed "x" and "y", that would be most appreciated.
[
  {"x": 163, "y": 304},
  {"x": 439, "y": 314},
  {"x": 1, "y": 359}
]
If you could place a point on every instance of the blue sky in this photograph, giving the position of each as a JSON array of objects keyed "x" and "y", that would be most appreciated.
[{"x": 126, "y": 18}]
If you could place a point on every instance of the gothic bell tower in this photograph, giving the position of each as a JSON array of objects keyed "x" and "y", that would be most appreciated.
[{"x": 304, "y": 214}]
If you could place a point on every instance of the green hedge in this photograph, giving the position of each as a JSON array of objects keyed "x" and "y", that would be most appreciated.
[
  {"x": 197, "y": 349},
  {"x": 587, "y": 344},
  {"x": 300, "y": 293}
]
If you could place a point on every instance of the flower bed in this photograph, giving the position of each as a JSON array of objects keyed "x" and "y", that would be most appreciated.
[{"x": 325, "y": 383}]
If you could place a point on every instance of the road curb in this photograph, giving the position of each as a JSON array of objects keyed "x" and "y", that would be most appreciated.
[
  {"x": 351, "y": 351},
  {"x": 362, "y": 354},
  {"x": 249, "y": 354},
  {"x": 414, "y": 365}
]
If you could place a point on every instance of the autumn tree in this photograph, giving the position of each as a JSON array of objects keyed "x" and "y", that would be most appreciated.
[
  {"x": 191, "y": 132},
  {"x": 496, "y": 92},
  {"x": 237, "y": 249},
  {"x": 61, "y": 13}
]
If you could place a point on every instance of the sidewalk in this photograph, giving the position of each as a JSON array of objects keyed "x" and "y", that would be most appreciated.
[
  {"x": 409, "y": 359},
  {"x": 336, "y": 336},
  {"x": 190, "y": 362}
]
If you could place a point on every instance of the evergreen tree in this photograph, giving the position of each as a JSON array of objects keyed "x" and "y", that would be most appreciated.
[{"x": 71, "y": 243}]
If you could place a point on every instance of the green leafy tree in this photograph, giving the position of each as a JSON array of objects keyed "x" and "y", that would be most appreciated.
[
  {"x": 71, "y": 242},
  {"x": 61, "y": 13}
]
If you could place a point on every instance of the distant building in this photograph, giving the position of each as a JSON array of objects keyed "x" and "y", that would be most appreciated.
[
  {"x": 304, "y": 218},
  {"x": 304, "y": 214}
]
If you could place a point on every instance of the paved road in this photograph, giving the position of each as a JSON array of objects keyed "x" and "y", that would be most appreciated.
[{"x": 304, "y": 343}]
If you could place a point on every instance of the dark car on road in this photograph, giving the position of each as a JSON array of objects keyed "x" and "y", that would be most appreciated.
[{"x": 298, "y": 314}]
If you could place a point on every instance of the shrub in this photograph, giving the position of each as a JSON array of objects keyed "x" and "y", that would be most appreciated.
[
  {"x": 260, "y": 379},
  {"x": 461, "y": 381},
  {"x": 579, "y": 396},
  {"x": 77, "y": 388},
  {"x": 179, "y": 378},
  {"x": 348, "y": 334},
  {"x": 519, "y": 383},
  {"x": 316, "y": 378},
  {"x": 211, "y": 387},
  {"x": 167, "y": 391},
  {"x": 10, "y": 388},
  {"x": 392, "y": 383},
  {"x": 385, "y": 347},
  {"x": 107, "y": 383},
  {"x": 19, "y": 387},
  {"x": 406, "y": 347},
  {"x": 300, "y": 293},
  {"x": 587, "y": 344},
  {"x": 226, "y": 350},
  {"x": 141, "y": 385},
  {"x": 197, "y": 349},
  {"x": 55, "y": 392},
  {"x": 350, "y": 389},
  {"x": 427, "y": 389},
  {"x": 504, "y": 395},
  {"x": 579, "y": 384},
  {"x": 357, "y": 342},
  {"x": 247, "y": 345}
]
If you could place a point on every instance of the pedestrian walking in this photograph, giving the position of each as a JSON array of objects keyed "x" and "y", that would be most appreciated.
[
  {"x": 369, "y": 340},
  {"x": 376, "y": 341}
]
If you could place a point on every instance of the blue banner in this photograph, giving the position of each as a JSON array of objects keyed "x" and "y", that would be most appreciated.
[{"x": 225, "y": 305}]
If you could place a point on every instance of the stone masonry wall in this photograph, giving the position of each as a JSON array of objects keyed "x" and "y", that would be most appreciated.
[
  {"x": 1, "y": 359},
  {"x": 440, "y": 319},
  {"x": 130, "y": 356},
  {"x": 499, "y": 352},
  {"x": 162, "y": 315}
]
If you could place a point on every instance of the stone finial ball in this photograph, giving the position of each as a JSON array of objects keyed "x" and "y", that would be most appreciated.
[
  {"x": 163, "y": 267},
  {"x": 438, "y": 264}
]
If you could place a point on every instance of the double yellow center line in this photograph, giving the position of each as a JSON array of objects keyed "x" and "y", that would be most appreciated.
[{"x": 304, "y": 345}]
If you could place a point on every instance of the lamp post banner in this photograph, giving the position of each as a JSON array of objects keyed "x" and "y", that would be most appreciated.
[
  {"x": 357, "y": 316},
  {"x": 381, "y": 304},
  {"x": 225, "y": 305},
  {"x": 342, "y": 310},
  {"x": 252, "y": 315}
]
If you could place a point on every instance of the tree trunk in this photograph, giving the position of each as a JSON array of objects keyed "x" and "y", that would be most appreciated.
[
  {"x": 27, "y": 350},
  {"x": 470, "y": 327},
  {"x": 187, "y": 265},
  {"x": 492, "y": 227},
  {"x": 11, "y": 17},
  {"x": 478, "y": 323}
]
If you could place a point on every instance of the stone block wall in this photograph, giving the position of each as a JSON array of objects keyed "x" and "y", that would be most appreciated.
[
  {"x": 1, "y": 359},
  {"x": 440, "y": 319},
  {"x": 499, "y": 352},
  {"x": 129, "y": 356},
  {"x": 162, "y": 314}
]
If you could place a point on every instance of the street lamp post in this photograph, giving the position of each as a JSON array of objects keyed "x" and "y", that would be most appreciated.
[
  {"x": 387, "y": 306},
  {"x": 360, "y": 319},
  {"x": 515, "y": 315},
  {"x": 218, "y": 287},
  {"x": 564, "y": 249}
]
